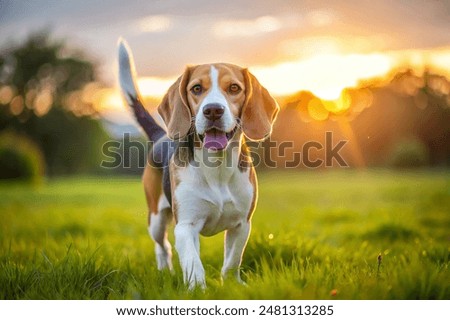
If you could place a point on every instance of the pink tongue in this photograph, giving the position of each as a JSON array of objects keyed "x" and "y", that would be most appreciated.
[{"x": 215, "y": 139}]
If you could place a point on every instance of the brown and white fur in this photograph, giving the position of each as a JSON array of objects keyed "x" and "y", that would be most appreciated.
[{"x": 205, "y": 190}]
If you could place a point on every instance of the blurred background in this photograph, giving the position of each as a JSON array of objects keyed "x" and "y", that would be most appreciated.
[{"x": 373, "y": 73}]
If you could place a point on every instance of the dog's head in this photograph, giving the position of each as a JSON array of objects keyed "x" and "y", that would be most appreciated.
[{"x": 217, "y": 100}]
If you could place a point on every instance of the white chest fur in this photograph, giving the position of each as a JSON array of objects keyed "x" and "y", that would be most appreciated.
[{"x": 214, "y": 198}]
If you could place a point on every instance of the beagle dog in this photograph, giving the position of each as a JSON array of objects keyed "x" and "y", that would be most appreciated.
[{"x": 199, "y": 172}]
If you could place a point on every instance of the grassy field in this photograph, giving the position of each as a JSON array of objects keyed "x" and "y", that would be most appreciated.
[{"x": 316, "y": 235}]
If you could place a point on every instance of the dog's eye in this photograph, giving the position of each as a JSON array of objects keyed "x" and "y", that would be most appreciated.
[
  {"x": 197, "y": 89},
  {"x": 234, "y": 88}
]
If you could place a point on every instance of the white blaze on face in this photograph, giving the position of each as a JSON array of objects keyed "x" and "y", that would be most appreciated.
[{"x": 214, "y": 96}]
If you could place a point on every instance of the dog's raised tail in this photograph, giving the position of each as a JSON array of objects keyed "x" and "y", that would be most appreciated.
[{"x": 130, "y": 91}]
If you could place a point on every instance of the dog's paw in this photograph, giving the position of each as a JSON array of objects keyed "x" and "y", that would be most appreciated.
[
  {"x": 232, "y": 276},
  {"x": 197, "y": 285}
]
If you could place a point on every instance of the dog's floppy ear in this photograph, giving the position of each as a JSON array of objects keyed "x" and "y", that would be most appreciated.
[
  {"x": 174, "y": 108},
  {"x": 260, "y": 109}
]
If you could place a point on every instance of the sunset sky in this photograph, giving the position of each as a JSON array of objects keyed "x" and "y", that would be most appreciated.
[{"x": 290, "y": 45}]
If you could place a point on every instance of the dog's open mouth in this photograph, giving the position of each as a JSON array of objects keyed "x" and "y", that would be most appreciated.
[{"x": 215, "y": 139}]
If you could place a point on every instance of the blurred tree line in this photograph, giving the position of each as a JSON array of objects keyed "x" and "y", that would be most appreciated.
[
  {"x": 48, "y": 123},
  {"x": 400, "y": 122},
  {"x": 41, "y": 100}
]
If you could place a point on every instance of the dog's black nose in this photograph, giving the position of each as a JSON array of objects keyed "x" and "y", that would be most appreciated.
[{"x": 213, "y": 111}]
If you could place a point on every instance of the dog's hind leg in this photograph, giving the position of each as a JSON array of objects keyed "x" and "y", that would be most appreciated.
[
  {"x": 158, "y": 231},
  {"x": 159, "y": 216}
]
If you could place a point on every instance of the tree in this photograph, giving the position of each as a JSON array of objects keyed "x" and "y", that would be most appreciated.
[{"x": 41, "y": 95}]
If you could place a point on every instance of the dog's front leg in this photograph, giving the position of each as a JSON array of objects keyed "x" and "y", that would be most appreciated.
[
  {"x": 235, "y": 242},
  {"x": 187, "y": 243}
]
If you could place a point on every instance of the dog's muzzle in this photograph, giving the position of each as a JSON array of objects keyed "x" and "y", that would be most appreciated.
[{"x": 215, "y": 138}]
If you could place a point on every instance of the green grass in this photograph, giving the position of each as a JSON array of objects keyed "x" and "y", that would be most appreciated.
[{"x": 313, "y": 232}]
